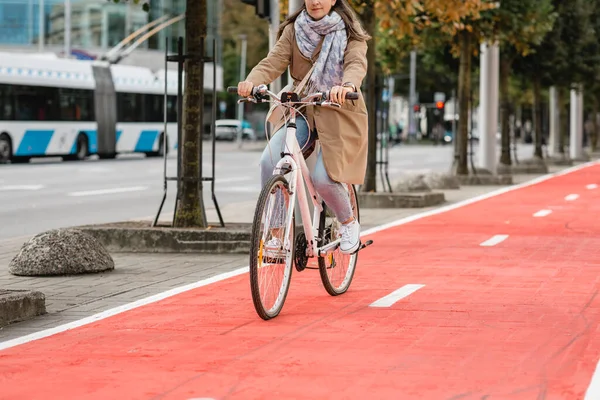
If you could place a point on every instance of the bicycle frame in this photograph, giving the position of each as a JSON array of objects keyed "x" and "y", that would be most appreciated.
[{"x": 299, "y": 182}]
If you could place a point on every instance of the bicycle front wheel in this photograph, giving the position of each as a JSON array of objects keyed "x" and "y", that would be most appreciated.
[
  {"x": 272, "y": 248},
  {"x": 336, "y": 269}
]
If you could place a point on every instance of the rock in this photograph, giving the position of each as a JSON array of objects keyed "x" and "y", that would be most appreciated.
[
  {"x": 61, "y": 252},
  {"x": 412, "y": 183},
  {"x": 441, "y": 181}
]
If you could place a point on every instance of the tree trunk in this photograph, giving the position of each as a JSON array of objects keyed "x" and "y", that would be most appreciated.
[
  {"x": 464, "y": 90},
  {"x": 370, "y": 184},
  {"x": 537, "y": 101},
  {"x": 504, "y": 112},
  {"x": 190, "y": 209}
]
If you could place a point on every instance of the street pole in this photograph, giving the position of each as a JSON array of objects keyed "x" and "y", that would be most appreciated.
[
  {"x": 488, "y": 105},
  {"x": 553, "y": 143},
  {"x": 412, "y": 94},
  {"x": 242, "y": 78},
  {"x": 576, "y": 137},
  {"x": 30, "y": 22},
  {"x": 67, "y": 33},
  {"x": 42, "y": 28}
]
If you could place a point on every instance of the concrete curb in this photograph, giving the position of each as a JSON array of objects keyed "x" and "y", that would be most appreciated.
[
  {"x": 19, "y": 305},
  {"x": 141, "y": 237},
  {"x": 400, "y": 200},
  {"x": 485, "y": 180}
]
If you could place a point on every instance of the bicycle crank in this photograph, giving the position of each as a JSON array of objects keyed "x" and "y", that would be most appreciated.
[{"x": 363, "y": 245}]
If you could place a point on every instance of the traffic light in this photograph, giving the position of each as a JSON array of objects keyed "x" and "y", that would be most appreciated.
[
  {"x": 439, "y": 105},
  {"x": 417, "y": 108},
  {"x": 262, "y": 7}
]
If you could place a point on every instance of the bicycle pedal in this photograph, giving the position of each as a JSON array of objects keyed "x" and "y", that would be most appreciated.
[{"x": 365, "y": 244}]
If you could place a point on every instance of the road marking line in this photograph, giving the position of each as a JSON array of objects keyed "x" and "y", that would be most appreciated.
[
  {"x": 542, "y": 213},
  {"x": 494, "y": 240},
  {"x": 107, "y": 191},
  {"x": 21, "y": 187},
  {"x": 220, "y": 277},
  {"x": 592, "y": 186},
  {"x": 396, "y": 295},
  {"x": 571, "y": 197}
]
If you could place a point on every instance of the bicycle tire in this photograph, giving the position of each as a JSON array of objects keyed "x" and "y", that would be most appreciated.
[
  {"x": 332, "y": 289},
  {"x": 256, "y": 252}
]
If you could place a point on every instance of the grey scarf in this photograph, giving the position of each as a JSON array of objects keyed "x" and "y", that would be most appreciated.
[{"x": 329, "y": 68}]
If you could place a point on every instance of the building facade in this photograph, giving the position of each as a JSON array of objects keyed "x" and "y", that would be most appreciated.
[{"x": 96, "y": 27}]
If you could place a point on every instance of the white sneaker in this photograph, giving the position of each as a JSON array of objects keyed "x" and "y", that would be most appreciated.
[
  {"x": 274, "y": 249},
  {"x": 350, "y": 237}
]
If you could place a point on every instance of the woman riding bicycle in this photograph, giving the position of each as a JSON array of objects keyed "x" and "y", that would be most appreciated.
[{"x": 325, "y": 38}]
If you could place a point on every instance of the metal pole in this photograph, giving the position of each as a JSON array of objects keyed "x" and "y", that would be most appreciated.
[
  {"x": 67, "y": 18},
  {"x": 412, "y": 95},
  {"x": 554, "y": 123},
  {"x": 242, "y": 77},
  {"x": 576, "y": 137},
  {"x": 488, "y": 106},
  {"x": 42, "y": 28},
  {"x": 30, "y": 22}
]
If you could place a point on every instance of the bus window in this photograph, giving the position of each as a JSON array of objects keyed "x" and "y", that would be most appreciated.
[
  {"x": 130, "y": 107},
  {"x": 34, "y": 102},
  {"x": 76, "y": 105}
]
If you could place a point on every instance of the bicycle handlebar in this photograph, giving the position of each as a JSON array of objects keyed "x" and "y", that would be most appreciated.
[{"x": 324, "y": 95}]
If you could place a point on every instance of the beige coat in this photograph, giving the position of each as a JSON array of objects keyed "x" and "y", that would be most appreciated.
[{"x": 343, "y": 132}]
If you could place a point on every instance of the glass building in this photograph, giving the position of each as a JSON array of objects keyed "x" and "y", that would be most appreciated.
[{"x": 96, "y": 25}]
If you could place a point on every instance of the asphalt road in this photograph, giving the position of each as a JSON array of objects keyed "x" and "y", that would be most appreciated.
[{"x": 49, "y": 193}]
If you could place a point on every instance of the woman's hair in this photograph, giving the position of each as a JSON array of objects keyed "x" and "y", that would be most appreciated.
[{"x": 345, "y": 11}]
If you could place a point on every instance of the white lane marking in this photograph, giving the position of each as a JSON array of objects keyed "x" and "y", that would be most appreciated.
[
  {"x": 20, "y": 187},
  {"x": 494, "y": 240},
  {"x": 172, "y": 292},
  {"x": 592, "y": 186},
  {"x": 108, "y": 191},
  {"x": 593, "y": 390},
  {"x": 396, "y": 295},
  {"x": 571, "y": 197},
  {"x": 542, "y": 213}
]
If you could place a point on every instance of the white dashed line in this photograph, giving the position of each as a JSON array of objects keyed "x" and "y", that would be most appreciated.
[
  {"x": 494, "y": 240},
  {"x": 571, "y": 197},
  {"x": 592, "y": 186},
  {"x": 542, "y": 213},
  {"x": 108, "y": 191},
  {"x": 20, "y": 187},
  {"x": 396, "y": 295}
]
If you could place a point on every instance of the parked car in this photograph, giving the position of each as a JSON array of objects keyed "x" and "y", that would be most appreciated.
[{"x": 227, "y": 129}]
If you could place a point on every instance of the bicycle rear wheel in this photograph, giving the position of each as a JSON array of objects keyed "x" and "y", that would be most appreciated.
[
  {"x": 336, "y": 269},
  {"x": 272, "y": 249}
]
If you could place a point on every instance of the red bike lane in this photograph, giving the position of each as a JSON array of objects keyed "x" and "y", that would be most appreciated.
[{"x": 516, "y": 318}]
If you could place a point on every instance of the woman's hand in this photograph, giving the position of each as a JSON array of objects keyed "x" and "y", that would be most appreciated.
[
  {"x": 337, "y": 94},
  {"x": 245, "y": 88}
]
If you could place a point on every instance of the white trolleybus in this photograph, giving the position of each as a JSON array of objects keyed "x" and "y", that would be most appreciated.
[{"x": 52, "y": 107}]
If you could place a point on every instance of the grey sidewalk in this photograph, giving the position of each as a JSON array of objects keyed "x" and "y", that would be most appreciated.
[{"x": 137, "y": 276}]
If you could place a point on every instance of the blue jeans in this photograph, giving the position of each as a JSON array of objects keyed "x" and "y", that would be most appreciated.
[{"x": 333, "y": 193}]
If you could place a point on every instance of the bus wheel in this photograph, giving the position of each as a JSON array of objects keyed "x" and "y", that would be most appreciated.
[
  {"x": 5, "y": 149},
  {"x": 81, "y": 151},
  {"x": 82, "y": 147},
  {"x": 161, "y": 148}
]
